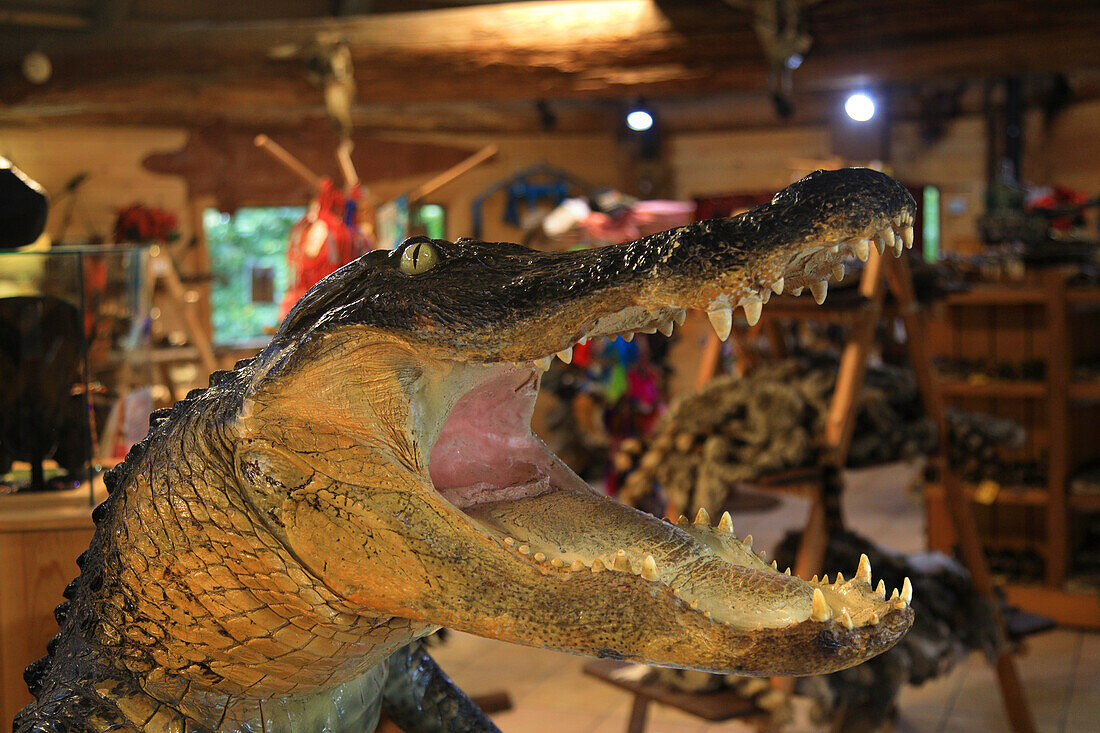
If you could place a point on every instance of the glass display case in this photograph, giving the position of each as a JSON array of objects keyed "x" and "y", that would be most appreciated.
[{"x": 74, "y": 366}]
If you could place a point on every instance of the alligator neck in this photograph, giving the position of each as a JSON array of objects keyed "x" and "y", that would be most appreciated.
[{"x": 188, "y": 606}]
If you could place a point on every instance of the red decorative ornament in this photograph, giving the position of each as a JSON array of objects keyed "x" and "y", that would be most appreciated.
[{"x": 139, "y": 223}]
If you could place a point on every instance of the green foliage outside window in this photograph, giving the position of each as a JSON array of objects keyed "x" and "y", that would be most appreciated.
[{"x": 251, "y": 239}]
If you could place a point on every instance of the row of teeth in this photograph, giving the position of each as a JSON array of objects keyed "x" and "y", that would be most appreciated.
[
  {"x": 897, "y": 236},
  {"x": 648, "y": 570},
  {"x": 666, "y": 325},
  {"x": 820, "y": 609}
]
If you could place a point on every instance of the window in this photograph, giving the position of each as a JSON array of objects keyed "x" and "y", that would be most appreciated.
[{"x": 248, "y": 262}]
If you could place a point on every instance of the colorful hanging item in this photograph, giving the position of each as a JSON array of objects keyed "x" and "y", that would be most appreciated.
[{"x": 325, "y": 239}]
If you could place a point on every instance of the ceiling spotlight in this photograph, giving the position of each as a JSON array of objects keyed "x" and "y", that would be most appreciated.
[
  {"x": 860, "y": 107},
  {"x": 639, "y": 120}
]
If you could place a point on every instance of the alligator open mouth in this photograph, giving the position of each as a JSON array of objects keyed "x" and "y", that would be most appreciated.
[
  {"x": 488, "y": 464},
  {"x": 407, "y": 383}
]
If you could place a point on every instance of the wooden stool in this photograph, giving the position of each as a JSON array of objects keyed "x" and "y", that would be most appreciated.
[{"x": 712, "y": 706}]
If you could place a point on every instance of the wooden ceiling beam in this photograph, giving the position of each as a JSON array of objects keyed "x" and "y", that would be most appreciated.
[{"x": 564, "y": 49}]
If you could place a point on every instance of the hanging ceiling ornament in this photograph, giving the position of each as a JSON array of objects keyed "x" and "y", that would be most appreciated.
[{"x": 784, "y": 36}]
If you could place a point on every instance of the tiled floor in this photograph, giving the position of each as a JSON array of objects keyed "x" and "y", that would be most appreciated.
[{"x": 1060, "y": 669}]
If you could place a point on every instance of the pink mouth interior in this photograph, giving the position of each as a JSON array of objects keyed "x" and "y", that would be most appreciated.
[{"x": 486, "y": 450}]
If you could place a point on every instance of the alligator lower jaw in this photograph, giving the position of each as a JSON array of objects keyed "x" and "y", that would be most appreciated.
[{"x": 543, "y": 517}]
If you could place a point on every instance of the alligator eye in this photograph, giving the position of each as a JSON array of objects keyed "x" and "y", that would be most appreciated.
[{"x": 418, "y": 258}]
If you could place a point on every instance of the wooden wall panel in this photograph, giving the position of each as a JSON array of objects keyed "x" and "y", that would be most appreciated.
[
  {"x": 111, "y": 157},
  {"x": 742, "y": 162},
  {"x": 593, "y": 158}
]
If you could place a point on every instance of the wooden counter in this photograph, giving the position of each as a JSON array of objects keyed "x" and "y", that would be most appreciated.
[{"x": 40, "y": 538}]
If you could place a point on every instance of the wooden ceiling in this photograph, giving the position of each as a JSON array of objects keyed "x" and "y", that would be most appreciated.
[{"x": 482, "y": 66}]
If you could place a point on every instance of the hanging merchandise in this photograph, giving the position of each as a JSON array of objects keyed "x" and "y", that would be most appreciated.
[
  {"x": 526, "y": 190},
  {"x": 325, "y": 239}
]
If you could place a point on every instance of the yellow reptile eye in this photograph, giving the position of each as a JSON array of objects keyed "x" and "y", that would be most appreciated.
[{"x": 418, "y": 258}]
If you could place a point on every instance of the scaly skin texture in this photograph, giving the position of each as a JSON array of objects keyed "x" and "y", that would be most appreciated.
[{"x": 270, "y": 551}]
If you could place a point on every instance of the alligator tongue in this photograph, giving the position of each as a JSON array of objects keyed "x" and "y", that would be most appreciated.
[{"x": 569, "y": 522}]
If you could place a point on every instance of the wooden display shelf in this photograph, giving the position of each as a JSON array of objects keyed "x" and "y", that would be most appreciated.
[
  {"x": 1083, "y": 295},
  {"x": 999, "y": 295},
  {"x": 1006, "y": 496},
  {"x": 1085, "y": 390},
  {"x": 1080, "y": 610},
  {"x": 994, "y": 388},
  {"x": 1084, "y": 501},
  {"x": 41, "y": 535}
]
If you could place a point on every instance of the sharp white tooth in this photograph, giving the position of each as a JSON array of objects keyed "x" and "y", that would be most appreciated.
[
  {"x": 898, "y": 247},
  {"x": 683, "y": 521},
  {"x": 775, "y": 565},
  {"x": 813, "y": 579},
  {"x": 894, "y": 595},
  {"x": 747, "y": 542},
  {"x": 583, "y": 341},
  {"x": 863, "y": 570},
  {"x": 887, "y": 235},
  {"x": 648, "y": 329},
  {"x": 907, "y": 591},
  {"x": 722, "y": 321},
  {"x": 702, "y": 519},
  {"x": 566, "y": 355},
  {"x": 628, "y": 336},
  {"x": 839, "y": 578},
  {"x": 838, "y": 271},
  {"x": 576, "y": 565},
  {"x": 825, "y": 579},
  {"x": 820, "y": 289},
  {"x": 861, "y": 248},
  {"x": 777, "y": 286},
  {"x": 725, "y": 523},
  {"x": 679, "y": 315},
  {"x": 881, "y": 589},
  {"x": 874, "y": 618},
  {"x": 797, "y": 291},
  {"x": 598, "y": 566},
  {"x": 787, "y": 571},
  {"x": 907, "y": 236},
  {"x": 752, "y": 311},
  {"x": 649, "y": 568},
  {"x": 621, "y": 563},
  {"x": 544, "y": 362},
  {"x": 765, "y": 295},
  {"x": 666, "y": 327},
  {"x": 763, "y": 554},
  {"x": 880, "y": 243},
  {"x": 846, "y": 618},
  {"x": 835, "y": 249},
  {"x": 819, "y": 609}
]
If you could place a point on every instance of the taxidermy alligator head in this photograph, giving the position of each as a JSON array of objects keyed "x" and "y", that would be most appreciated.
[{"x": 372, "y": 475}]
